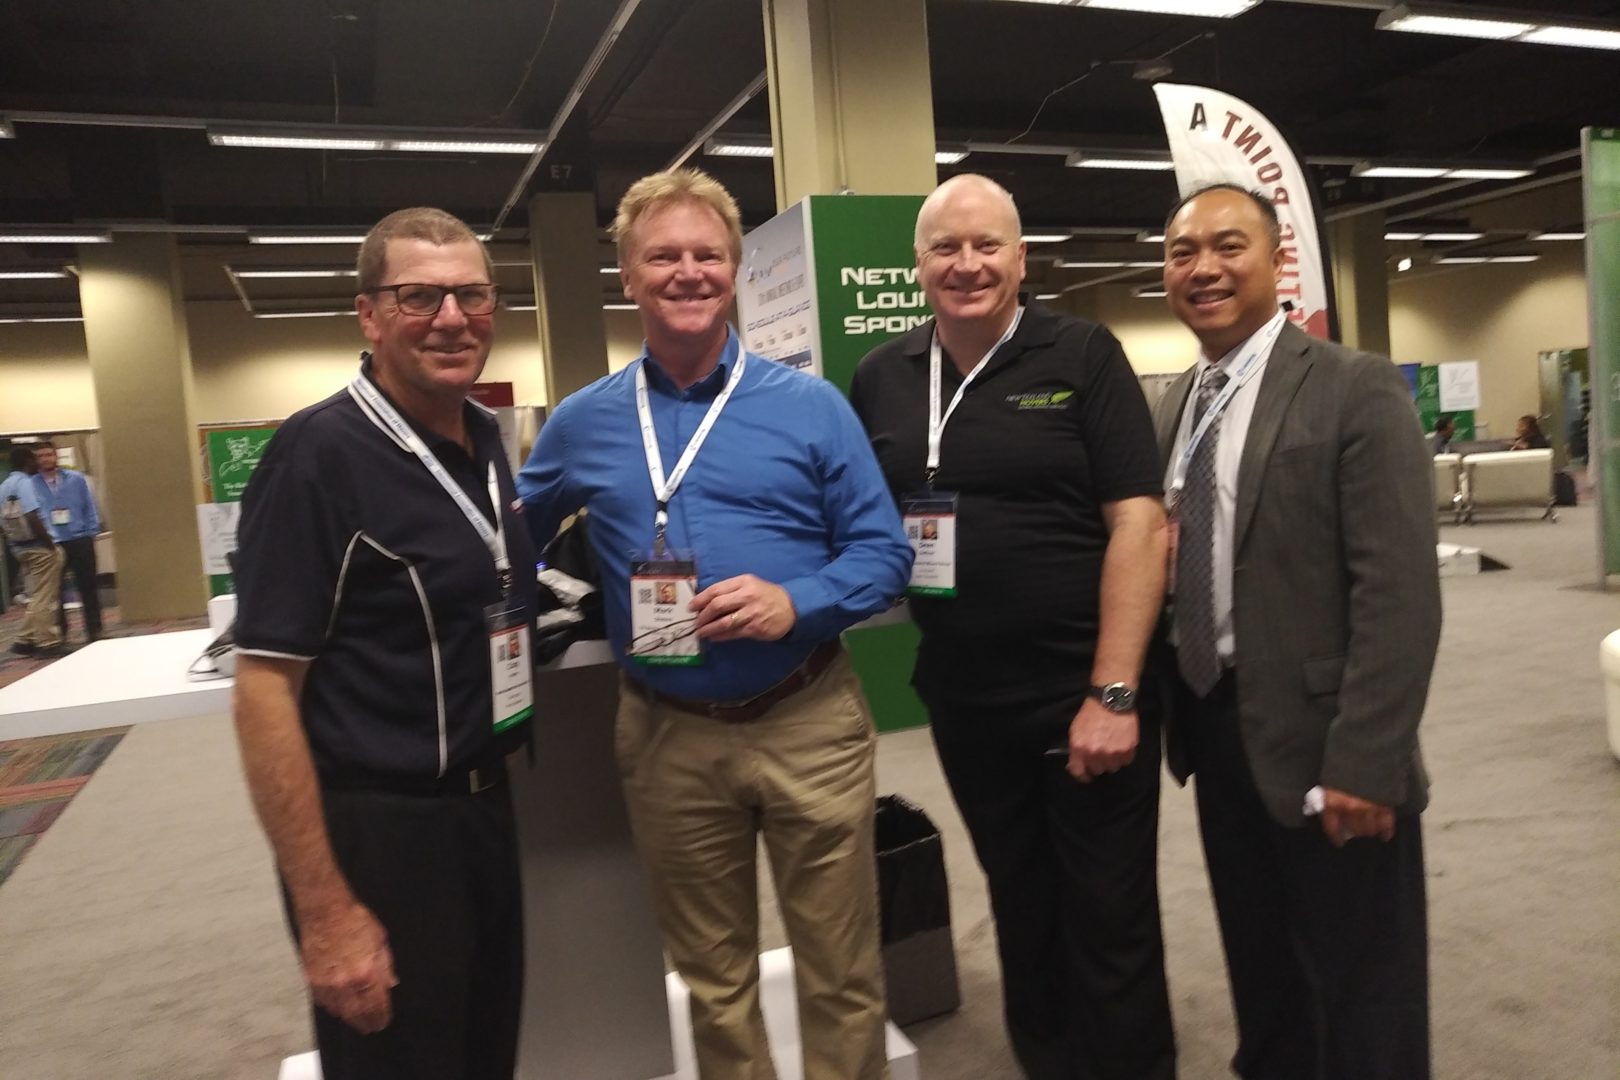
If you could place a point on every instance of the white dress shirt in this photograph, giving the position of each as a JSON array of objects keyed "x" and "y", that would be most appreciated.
[{"x": 1234, "y": 432}]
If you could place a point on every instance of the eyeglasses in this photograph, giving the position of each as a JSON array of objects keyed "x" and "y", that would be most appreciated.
[{"x": 424, "y": 300}]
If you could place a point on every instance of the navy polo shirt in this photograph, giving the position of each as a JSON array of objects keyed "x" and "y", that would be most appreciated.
[
  {"x": 1052, "y": 428},
  {"x": 353, "y": 557}
]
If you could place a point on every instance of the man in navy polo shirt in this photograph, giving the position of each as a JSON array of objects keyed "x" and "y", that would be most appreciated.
[
  {"x": 741, "y": 523},
  {"x": 384, "y": 576}
]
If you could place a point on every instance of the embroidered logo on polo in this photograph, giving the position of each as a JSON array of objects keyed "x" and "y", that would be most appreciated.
[{"x": 1041, "y": 399}]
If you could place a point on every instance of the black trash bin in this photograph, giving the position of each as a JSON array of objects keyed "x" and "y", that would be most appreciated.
[{"x": 919, "y": 961}]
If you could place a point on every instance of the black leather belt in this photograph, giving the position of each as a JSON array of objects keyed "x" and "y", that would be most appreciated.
[
  {"x": 488, "y": 772},
  {"x": 750, "y": 709}
]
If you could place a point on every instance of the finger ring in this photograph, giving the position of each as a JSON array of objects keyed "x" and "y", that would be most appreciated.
[{"x": 733, "y": 622}]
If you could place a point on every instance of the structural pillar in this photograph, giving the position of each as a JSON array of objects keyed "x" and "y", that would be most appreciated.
[
  {"x": 1361, "y": 280},
  {"x": 851, "y": 97},
  {"x": 140, "y": 358},
  {"x": 568, "y": 290}
]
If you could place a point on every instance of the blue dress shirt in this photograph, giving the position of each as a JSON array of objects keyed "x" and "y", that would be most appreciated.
[
  {"x": 786, "y": 488},
  {"x": 72, "y": 493}
]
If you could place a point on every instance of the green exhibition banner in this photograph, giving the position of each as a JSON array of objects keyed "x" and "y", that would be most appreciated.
[
  {"x": 1600, "y": 154},
  {"x": 1428, "y": 404},
  {"x": 230, "y": 454},
  {"x": 822, "y": 284}
]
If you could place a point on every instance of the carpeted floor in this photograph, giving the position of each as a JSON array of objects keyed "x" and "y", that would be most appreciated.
[
  {"x": 38, "y": 778},
  {"x": 142, "y": 938}
]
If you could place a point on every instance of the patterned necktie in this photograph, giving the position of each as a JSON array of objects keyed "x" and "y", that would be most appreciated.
[{"x": 1195, "y": 554}]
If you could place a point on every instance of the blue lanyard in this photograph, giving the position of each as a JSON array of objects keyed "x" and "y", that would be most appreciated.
[{"x": 1260, "y": 348}]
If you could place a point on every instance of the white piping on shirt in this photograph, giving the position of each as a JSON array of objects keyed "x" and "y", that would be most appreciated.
[
  {"x": 343, "y": 574},
  {"x": 375, "y": 419},
  {"x": 433, "y": 641}
]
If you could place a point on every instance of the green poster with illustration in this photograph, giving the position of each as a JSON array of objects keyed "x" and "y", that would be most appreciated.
[
  {"x": 230, "y": 454},
  {"x": 1428, "y": 404},
  {"x": 822, "y": 284},
  {"x": 1600, "y": 151}
]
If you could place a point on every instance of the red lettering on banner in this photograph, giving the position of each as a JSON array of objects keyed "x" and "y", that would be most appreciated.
[
  {"x": 1287, "y": 234},
  {"x": 1232, "y": 119},
  {"x": 1265, "y": 151},
  {"x": 1279, "y": 197},
  {"x": 1248, "y": 140},
  {"x": 1270, "y": 173},
  {"x": 1290, "y": 257}
]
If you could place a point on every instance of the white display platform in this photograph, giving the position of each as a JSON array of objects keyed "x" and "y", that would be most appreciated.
[
  {"x": 1456, "y": 560},
  {"x": 113, "y": 682},
  {"x": 781, "y": 1027}
]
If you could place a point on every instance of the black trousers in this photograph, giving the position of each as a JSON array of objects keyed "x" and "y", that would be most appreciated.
[
  {"x": 1072, "y": 871},
  {"x": 441, "y": 875},
  {"x": 80, "y": 555},
  {"x": 1326, "y": 947}
]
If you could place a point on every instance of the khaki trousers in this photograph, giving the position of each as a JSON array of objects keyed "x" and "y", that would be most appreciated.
[
  {"x": 700, "y": 792},
  {"x": 43, "y": 568}
]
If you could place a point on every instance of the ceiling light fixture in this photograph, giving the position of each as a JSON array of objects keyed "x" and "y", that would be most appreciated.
[
  {"x": 6, "y": 130},
  {"x": 1091, "y": 264},
  {"x": 618, "y": 307},
  {"x": 1454, "y": 20},
  {"x": 1081, "y": 159},
  {"x": 1047, "y": 296},
  {"x": 1455, "y": 236},
  {"x": 1403, "y": 236},
  {"x": 31, "y": 275},
  {"x": 1461, "y": 260},
  {"x": 305, "y": 238},
  {"x": 1045, "y": 238},
  {"x": 1143, "y": 292},
  {"x": 1370, "y": 170},
  {"x": 1404, "y": 265},
  {"x": 311, "y": 273},
  {"x": 405, "y": 142},
  {"x": 43, "y": 319},
  {"x": 739, "y": 147},
  {"x": 324, "y": 314},
  {"x": 58, "y": 237},
  {"x": 609, "y": 270},
  {"x": 1559, "y": 236},
  {"x": 1213, "y": 9},
  {"x": 1150, "y": 236},
  {"x": 949, "y": 157}
]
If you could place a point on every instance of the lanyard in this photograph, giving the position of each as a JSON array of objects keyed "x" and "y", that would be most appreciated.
[
  {"x": 1261, "y": 344},
  {"x": 664, "y": 490},
  {"x": 936, "y": 422},
  {"x": 494, "y": 537}
]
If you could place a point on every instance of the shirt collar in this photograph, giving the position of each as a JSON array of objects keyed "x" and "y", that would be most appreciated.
[
  {"x": 1228, "y": 361},
  {"x": 706, "y": 387},
  {"x": 478, "y": 418}
]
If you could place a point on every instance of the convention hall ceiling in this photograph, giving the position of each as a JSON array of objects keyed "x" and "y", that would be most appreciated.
[{"x": 111, "y": 103}]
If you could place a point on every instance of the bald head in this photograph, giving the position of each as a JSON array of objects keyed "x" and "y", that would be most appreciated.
[{"x": 986, "y": 200}]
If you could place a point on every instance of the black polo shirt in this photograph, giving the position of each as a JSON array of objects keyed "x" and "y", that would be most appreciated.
[
  {"x": 1051, "y": 429},
  {"x": 353, "y": 557}
]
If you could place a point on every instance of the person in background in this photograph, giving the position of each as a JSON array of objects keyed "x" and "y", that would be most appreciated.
[
  {"x": 1445, "y": 429},
  {"x": 70, "y": 514},
  {"x": 1036, "y": 590},
  {"x": 22, "y": 521},
  {"x": 1529, "y": 435}
]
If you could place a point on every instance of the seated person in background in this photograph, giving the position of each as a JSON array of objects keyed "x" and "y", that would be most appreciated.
[
  {"x": 1444, "y": 429},
  {"x": 1529, "y": 436}
]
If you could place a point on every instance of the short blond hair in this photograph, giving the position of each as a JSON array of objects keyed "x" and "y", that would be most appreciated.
[
  {"x": 672, "y": 186},
  {"x": 416, "y": 223}
]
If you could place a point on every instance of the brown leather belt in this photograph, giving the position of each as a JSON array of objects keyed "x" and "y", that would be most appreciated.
[{"x": 750, "y": 709}]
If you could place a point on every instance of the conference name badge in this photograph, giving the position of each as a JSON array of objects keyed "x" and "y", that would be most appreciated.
[
  {"x": 511, "y": 664},
  {"x": 662, "y": 625},
  {"x": 61, "y": 515},
  {"x": 930, "y": 520}
]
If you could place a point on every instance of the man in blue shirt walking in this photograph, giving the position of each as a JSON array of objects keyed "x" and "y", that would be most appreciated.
[
  {"x": 741, "y": 524},
  {"x": 70, "y": 513},
  {"x": 22, "y": 522}
]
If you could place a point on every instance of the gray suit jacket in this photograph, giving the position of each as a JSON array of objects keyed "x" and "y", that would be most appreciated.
[{"x": 1336, "y": 589}]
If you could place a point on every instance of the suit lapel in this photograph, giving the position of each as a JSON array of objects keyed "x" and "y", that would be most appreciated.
[
  {"x": 1167, "y": 417},
  {"x": 1285, "y": 370}
]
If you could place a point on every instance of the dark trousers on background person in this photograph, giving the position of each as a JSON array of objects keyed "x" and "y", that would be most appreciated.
[
  {"x": 81, "y": 563},
  {"x": 1327, "y": 948},
  {"x": 1072, "y": 871},
  {"x": 440, "y": 872}
]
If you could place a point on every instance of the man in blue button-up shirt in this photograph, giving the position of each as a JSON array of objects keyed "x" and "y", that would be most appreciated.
[
  {"x": 792, "y": 537},
  {"x": 69, "y": 510}
]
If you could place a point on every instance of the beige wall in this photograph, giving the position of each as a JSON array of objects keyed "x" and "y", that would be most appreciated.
[
  {"x": 1500, "y": 315},
  {"x": 45, "y": 373}
]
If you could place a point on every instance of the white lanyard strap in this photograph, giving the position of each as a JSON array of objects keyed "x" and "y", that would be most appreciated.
[
  {"x": 1261, "y": 348},
  {"x": 664, "y": 490},
  {"x": 936, "y": 422},
  {"x": 493, "y": 536}
]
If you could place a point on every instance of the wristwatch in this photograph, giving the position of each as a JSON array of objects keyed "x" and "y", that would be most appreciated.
[{"x": 1115, "y": 697}]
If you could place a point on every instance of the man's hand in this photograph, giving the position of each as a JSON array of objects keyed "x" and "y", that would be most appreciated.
[
  {"x": 1100, "y": 741},
  {"x": 1345, "y": 817},
  {"x": 743, "y": 607},
  {"x": 348, "y": 965}
]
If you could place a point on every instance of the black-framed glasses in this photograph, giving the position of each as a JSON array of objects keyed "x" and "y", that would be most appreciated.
[{"x": 416, "y": 298}]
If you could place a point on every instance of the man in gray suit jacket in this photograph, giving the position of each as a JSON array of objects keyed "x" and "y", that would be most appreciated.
[{"x": 1305, "y": 621}]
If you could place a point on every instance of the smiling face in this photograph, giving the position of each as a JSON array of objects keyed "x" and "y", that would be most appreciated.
[
  {"x": 679, "y": 271},
  {"x": 970, "y": 258},
  {"x": 421, "y": 358},
  {"x": 1220, "y": 269}
]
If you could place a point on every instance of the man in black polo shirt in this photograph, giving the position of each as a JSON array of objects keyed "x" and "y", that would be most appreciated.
[
  {"x": 1021, "y": 451},
  {"x": 384, "y": 574}
]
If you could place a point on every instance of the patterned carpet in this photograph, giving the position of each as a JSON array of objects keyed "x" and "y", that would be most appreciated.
[{"x": 38, "y": 778}]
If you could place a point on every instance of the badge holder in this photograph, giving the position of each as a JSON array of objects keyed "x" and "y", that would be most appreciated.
[
  {"x": 930, "y": 520},
  {"x": 662, "y": 624},
  {"x": 61, "y": 515},
  {"x": 511, "y": 663}
]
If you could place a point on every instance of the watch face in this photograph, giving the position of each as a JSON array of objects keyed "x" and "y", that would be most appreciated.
[{"x": 1118, "y": 697}]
